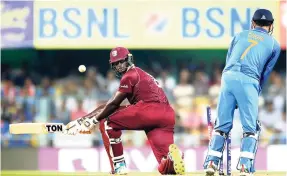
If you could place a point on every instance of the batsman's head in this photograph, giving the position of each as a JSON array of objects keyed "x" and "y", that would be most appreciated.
[
  {"x": 263, "y": 18},
  {"x": 120, "y": 59}
]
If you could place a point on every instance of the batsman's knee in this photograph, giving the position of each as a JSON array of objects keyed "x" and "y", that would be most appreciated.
[
  {"x": 104, "y": 126},
  {"x": 113, "y": 134},
  {"x": 165, "y": 167}
]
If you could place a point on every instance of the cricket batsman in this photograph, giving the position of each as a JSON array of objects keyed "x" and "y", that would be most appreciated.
[
  {"x": 250, "y": 59},
  {"x": 149, "y": 110}
]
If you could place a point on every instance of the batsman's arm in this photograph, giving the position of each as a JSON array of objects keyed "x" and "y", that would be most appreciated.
[
  {"x": 91, "y": 114},
  {"x": 97, "y": 110},
  {"x": 105, "y": 110},
  {"x": 94, "y": 112},
  {"x": 114, "y": 102},
  {"x": 112, "y": 105}
]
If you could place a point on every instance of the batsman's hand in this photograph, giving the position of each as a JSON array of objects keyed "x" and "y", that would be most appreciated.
[
  {"x": 81, "y": 126},
  {"x": 90, "y": 124},
  {"x": 73, "y": 127}
]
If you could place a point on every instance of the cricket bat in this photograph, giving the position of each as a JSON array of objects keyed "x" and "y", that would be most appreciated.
[{"x": 39, "y": 128}]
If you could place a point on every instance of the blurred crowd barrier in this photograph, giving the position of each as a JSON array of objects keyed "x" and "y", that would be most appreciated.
[{"x": 189, "y": 92}]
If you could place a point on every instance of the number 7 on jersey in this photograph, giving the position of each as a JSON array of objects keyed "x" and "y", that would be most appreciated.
[{"x": 253, "y": 43}]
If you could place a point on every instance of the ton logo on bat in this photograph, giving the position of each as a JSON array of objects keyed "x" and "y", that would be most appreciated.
[{"x": 54, "y": 128}]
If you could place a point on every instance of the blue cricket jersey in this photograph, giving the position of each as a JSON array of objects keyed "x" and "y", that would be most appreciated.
[{"x": 254, "y": 53}]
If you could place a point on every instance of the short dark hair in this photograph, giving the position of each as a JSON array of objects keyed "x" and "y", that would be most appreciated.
[{"x": 262, "y": 23}]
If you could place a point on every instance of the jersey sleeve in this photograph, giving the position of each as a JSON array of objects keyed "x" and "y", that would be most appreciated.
[
  {"x": 233, "y": 42},
  {"x": 269, "y": 65},
  {"x": 127, "y": 83}
]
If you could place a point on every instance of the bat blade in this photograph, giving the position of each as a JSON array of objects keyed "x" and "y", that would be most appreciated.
[{"x": 36, "y": 128}]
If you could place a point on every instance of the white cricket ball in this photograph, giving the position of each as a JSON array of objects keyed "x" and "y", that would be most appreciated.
[{"x": 82, "y": 68}]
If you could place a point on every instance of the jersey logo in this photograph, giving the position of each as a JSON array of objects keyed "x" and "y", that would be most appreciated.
[
  {"x": 114, "y": 53},
  {"x": 124, "y": 86},
  {"x": 263, "y": 17}
]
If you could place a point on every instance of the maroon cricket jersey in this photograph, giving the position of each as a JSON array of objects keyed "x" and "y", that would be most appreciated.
[{"x": 141, "y": 86}]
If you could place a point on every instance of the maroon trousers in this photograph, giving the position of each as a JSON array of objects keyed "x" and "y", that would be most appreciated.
[{"x": 156, "y": 119}]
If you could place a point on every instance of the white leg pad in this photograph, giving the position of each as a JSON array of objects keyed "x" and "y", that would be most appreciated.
[
  {"x": 118, "y": 158},
  {"x": 247, "y": 155},
  {"x": 215, "y": 153}
]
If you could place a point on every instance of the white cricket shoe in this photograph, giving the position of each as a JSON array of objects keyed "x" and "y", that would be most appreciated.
[
  {"x": 210, "y": 169},
  {"x": 121, "y": 168}
]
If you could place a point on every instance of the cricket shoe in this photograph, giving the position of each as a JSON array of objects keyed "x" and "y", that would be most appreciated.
[
  {"x": 176, "y": 156},
  {"x": 244, "y": 171},
  {"x": 120, "y": 168},
  {"x": 210, "y": 169}
]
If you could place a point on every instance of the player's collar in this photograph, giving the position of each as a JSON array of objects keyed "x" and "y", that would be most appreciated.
[
  {"x": 260, "y": 29},
  {"x": 132, "y": 66}
]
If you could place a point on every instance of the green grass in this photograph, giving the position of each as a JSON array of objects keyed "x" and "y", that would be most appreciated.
[{"x": 39, "y": 173}]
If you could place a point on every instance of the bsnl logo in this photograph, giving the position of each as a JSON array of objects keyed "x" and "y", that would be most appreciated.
[
  {"x": 75, "y": 23},
  {"x": 52, "y": 128},
  {"x": 70, "y": 23}
]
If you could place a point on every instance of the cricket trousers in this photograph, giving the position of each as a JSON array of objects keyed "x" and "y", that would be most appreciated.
[{"x": 156, "y": 119}]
